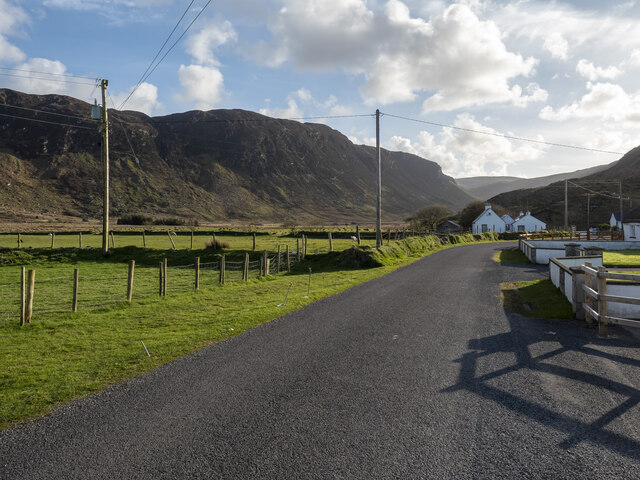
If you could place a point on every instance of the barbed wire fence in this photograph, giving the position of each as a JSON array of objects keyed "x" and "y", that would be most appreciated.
[{"x": 97, "y": 290}]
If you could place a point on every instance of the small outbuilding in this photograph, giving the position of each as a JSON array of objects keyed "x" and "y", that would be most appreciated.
[{"x": 631, "y": 225}]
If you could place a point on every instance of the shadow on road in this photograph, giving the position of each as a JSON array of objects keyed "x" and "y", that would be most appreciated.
[{"x": 581, "y": 344}]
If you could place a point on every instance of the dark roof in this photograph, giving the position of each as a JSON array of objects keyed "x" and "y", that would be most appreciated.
[{"x": 631, "y": 215}]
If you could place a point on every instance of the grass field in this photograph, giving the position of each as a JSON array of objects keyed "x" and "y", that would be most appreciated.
[
  {"x": 62, "y": 355},
  {"x": 511, "y": 255},
  {"x": 537, "y": 298},
  {"x": 622, "y": 257}
]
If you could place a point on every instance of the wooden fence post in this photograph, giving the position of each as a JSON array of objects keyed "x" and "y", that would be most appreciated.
[
  {"x": 31, "y": 282},
  {"x": 132, "y": 266},
  {"x": 245, "y": 268},
  {"x": 164, "y": 277},
  {"x": 23, "y": 295},
  {"x": 254, "y": 241},
  {"x": 53, "y": 239},
  {"x": 288, "y": 260},
  {"x": 278, "y": 267},
  {"x": 197, "y": 273},
  {"x": 358, "y": 233},
  {"x": 144, "y": 239},
  {"x": 388, "y": 236},
  {"x": 396, "y": 238},
  {"x": 191, "y": 239},
  {"x": 222, "y": 270},
  {"x": 113, "y": 239},
  {"x": 160, "y": 278},
  {"x": 267, "y": 262},
  {"x": 330, "y": 243},
  {"x": 588, "y": 281},
  {"x": 74, "y": 303},
  {"x": 602, "y": 304},
  {"x": 79, "y": 239},
  {"x": 298, "y": 253},
  {"x": 171, "y": 239},
  {"x": 19, "y": 239}
]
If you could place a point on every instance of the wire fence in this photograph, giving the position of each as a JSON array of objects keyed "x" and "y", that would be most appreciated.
[{"x": 99, "y": 290}]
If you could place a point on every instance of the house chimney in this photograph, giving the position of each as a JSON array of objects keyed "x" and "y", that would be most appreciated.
[{"x": 528, "y": 212}]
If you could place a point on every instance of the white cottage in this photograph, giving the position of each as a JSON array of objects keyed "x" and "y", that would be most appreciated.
[
  {"x": 631, "y": 225},
  {"x": 527, "y": 223},
  {"x": 615, "y": 220},
  {"x": 508, "y": 221},
  {"x": 488, "y": 221}
]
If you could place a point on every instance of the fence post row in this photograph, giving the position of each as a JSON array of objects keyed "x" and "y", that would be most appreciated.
[
  {"x": 31, "y": 281},
  {"x": 222, "y": 270},
  {"x": 278, "y": 262},
  {"x": 197, "y": 285},
  {"x": 23, "y": 295},
  {"x": 164, "y": 277},
  {"x": 74, "y": 303},
  {"x": 132, "y": 266},
  {"x": 288, "y": 260},
  {"x": 245, "y": 268}
]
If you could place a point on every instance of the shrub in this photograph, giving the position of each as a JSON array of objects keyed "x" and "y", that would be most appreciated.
[
  {"x": 215, "y": 244},
  {"x": 169, "y": 221},
  {"x": 135, "y": 220}
]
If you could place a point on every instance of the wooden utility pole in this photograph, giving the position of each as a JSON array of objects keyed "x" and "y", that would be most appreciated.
[
  {"x": 379, "y": 187},
  {"x": 566, "y": 206},
  {"x": 105, "y": 167}
]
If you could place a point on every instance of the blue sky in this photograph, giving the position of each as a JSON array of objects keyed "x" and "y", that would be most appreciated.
[{"x": 560, "y": 72}]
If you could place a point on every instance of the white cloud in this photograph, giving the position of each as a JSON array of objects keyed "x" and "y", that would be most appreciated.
[
  {"x": 604, "y": 101},
  {"x": 454, "y": 54},
  {"x": 202, "y": 45},
  {"x": 465, "y": 153},
  {"x": 12, "y": 16},
  {"x": 593, "y": 73},
  {"x": 202, "y": 85},
  {"x": 144, "y": 99},
  {"x": 556, "y": 45},
  {"x": 291, "y": 111},
  {"x": 9, "y": 52},
  {"x": 32, "y": 79}
]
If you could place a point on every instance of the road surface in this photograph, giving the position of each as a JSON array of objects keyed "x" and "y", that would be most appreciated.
[{"x": 418, "y": 374}]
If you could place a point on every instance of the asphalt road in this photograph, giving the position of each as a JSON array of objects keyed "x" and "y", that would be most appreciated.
[{"x": 418, "y": 374}]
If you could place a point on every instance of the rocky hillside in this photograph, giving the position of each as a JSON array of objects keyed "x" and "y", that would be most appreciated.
[
  {"x": 487, "y": 187},
  {"x": 547, "y": 203},
  {"x": 219, "y": 165}
]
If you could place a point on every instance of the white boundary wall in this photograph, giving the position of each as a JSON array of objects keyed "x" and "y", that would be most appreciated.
[{"x": 540, "y": 251}]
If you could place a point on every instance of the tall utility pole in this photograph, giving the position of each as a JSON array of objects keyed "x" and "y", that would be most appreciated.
[
  {"x": 105, "y": 166},
  {"x": 620, "y": 202},
  {"x": 379, "y": 205},
  {"x": 566, "y": 206}
]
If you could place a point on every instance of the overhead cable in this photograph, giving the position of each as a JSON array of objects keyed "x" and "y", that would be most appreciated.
[
  {"x": 511, "y": 137},
  {"x": 45, "y": 121},
  {"x": 148, "y": 72}
]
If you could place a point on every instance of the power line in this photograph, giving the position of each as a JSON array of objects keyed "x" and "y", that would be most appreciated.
[
  {"x": 46, "y": 73},
  {"x": 511, "y": 137},
  {"x": 256, "y": 120},
  {"x": 164, "y": 56},
  {"x": 45, "y": 121},
  {"x": 158, "y": 53},
  {"x": 44, "y": 111},
  {"x": 44, "y": 79}
]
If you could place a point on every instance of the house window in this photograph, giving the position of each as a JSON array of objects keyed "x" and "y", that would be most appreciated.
[
  {"x": 485, "y": 228},
  {"x": 521, "y": 228},
  {"x": 633, "y": 231}
]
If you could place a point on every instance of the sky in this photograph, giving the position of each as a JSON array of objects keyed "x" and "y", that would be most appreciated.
[{"x": 555, "y": 72}]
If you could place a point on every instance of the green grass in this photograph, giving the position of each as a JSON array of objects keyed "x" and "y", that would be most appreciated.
[
  {"x": 538, "y": 299},
  {"x": 62, "y": 355},
  {"x": 511, "y": 255},
  {"x": 622, "y": 257}
]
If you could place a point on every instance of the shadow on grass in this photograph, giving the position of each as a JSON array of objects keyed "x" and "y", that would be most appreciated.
[{"x": 583, "y": 346}]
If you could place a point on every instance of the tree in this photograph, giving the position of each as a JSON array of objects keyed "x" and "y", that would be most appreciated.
[{"x": 427, "y": 218}]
